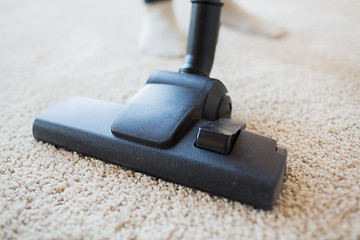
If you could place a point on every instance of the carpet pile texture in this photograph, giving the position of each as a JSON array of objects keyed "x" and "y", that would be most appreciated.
[{"x": 303, "y": 90}]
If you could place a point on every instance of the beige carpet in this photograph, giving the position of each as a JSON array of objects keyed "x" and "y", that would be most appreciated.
[{"x": 303, "y": 90}]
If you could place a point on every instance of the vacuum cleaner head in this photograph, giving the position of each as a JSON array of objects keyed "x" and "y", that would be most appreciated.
[{"x": 177, "y": 127}]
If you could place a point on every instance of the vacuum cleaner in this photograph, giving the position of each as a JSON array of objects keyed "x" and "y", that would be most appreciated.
[{"x": 177, "y": 127}]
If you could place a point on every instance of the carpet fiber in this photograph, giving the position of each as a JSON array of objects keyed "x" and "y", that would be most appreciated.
[{"x": 303, "y": 90}]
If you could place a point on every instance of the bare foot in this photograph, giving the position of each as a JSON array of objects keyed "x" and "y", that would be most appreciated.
[
  {"x": 160, "y": 35},
  {"x": 235, "y": 17}
]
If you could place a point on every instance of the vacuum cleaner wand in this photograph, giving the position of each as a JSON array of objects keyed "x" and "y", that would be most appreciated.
[
  {"x": 202, "y": 38},
  {"x": 177, "y": 127}
]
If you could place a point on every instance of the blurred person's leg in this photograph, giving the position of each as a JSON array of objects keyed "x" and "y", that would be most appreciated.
[
  {"x": 160, "y": 35},
  {"x": 236, "y": 17}
]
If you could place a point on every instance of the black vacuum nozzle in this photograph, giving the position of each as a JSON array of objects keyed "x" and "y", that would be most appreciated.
[{"x": 177, "y": 127}]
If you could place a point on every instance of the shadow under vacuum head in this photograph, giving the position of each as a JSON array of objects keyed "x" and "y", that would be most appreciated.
[{"x": 177, "y": 127}]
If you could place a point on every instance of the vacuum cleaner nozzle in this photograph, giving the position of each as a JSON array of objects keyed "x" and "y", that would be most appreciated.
[{"x": 177, "y": 127}]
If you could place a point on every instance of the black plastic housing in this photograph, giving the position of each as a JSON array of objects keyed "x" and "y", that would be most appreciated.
[
  {"x": 167, "y": 104},
  {"x": 252, "y": 173}
]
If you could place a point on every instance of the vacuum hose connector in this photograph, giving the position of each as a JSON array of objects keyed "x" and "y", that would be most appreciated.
[{"x": 202, "y": 39}]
